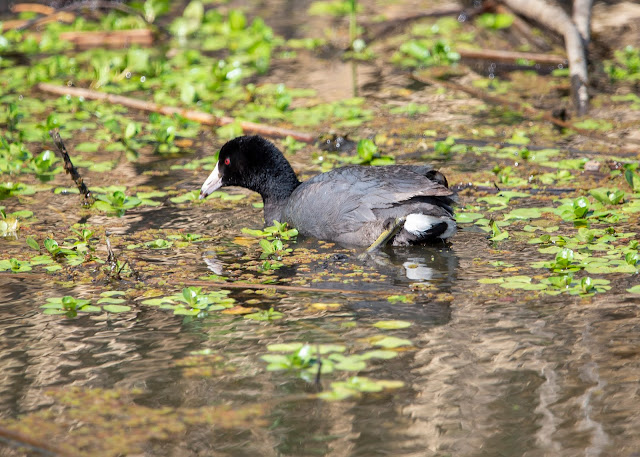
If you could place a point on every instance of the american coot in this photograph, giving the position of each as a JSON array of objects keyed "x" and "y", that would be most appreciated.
[{"x": 353, "y": 205}]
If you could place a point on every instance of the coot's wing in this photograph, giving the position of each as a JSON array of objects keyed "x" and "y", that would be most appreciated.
[{"x": 344, "y": 199}]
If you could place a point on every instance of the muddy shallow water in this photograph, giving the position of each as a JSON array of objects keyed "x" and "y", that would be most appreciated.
[
  {"x": 487, "y": 374},
  {"x": 477, "y": 369}
]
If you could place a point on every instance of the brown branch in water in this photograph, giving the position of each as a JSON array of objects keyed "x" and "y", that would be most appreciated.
[
  {"x": 510, "y": 56},
  {"x": 115, "y": 267},
  {"x": 519, "y": 107},
  {"x": 22, "y": 24},
  {"x": 110, "y": 39},
  {"x": 554, "y": 18},
  {"x": 69, "y": 168},
  {"x": 198, "y": 116}
]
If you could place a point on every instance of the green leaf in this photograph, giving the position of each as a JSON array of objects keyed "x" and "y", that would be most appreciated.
[
  {"x": 379, "y": 354},
  {"x": 237, "y": 20},
  {"x": 32, "y": 243},
  {"x": 523, "y": 214},
  {"x": 351, "y": 363},
  {"x": 392, "y": 342},
  {"x": 392, "y": 325},
  {"x": 131, "y": 130},
  {"x": 366, "y": 149},
  {"x": 491, "y": 280},
  {"x": 635, "y": 289},
  {"x": 580, "y": 207},
  {"x": 112, "y": 293},
  {"x": 51, "y": 246},
  {"x": 632, "y": 179},
  {"x": 465, "y": 218},
  {"x": 495, "y": 21},
  {"x": 284, "y": 347},
  {"x": 116, "y": 308},
  {"x": 89, "y": 309},
  {"x": 89, "y": 146}
]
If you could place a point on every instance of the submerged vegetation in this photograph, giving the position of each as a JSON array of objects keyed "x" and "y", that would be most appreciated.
[{"x": 546, "y": 211}]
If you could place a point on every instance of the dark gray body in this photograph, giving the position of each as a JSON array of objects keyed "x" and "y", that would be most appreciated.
[{"x": 353, "y": 205}]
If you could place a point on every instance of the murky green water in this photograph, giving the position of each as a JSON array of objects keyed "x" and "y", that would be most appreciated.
[{"x": 487, "y": 374}]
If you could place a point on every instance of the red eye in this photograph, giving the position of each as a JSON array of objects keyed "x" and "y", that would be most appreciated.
[{"x": 227, "y": 161}]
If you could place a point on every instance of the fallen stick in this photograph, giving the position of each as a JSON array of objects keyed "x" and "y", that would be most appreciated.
[
  {"x": 113, "y": 38},
  {"x": 109, "y": 39},
  {"x": 198, "y": 116},
  {"x": 518, "y": 106},
  {"x": 69, "y": 168},
  {"x": 32, "y": 8},
  {"x": 22, "y": 24},
  {"x": 511, "y": 56}
]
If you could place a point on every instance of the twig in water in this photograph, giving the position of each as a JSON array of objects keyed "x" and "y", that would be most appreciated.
[
  {"x": 69, "y": 168},
  {"x": 109, "y": 38},
  {"x": 511, "y": 56},
  {"x": 112, "y": 260},
  {"x": 198, "y": 116},
  {"x": 32, "y": 8},
  {"x": 115, "y": 268}
]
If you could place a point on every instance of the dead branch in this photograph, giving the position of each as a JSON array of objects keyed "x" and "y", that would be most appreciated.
[
  {"x": 115, "y": 266},
  {"x": 109, "y": 39},
  {"x": 32, "y": 8},
  {"x": 113, "y": 38},
  {"x": 198, "y": 116},
  {"x": 519, "y": 107},
  {"x": 554, "y": 17},
  {"x": 510, "y": 56},
  {"x": 22, "y": 24},
  {"x": 69, "y": 168}
]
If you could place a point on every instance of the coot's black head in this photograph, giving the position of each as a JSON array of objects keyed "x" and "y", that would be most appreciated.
[{"x": 254, "y": 163}]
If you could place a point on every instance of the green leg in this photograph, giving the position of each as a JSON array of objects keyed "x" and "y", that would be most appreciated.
[{"x": 387, "y": 235}]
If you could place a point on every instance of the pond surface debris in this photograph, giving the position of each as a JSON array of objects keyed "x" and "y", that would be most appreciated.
[{"x": 150, "y": 322}]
